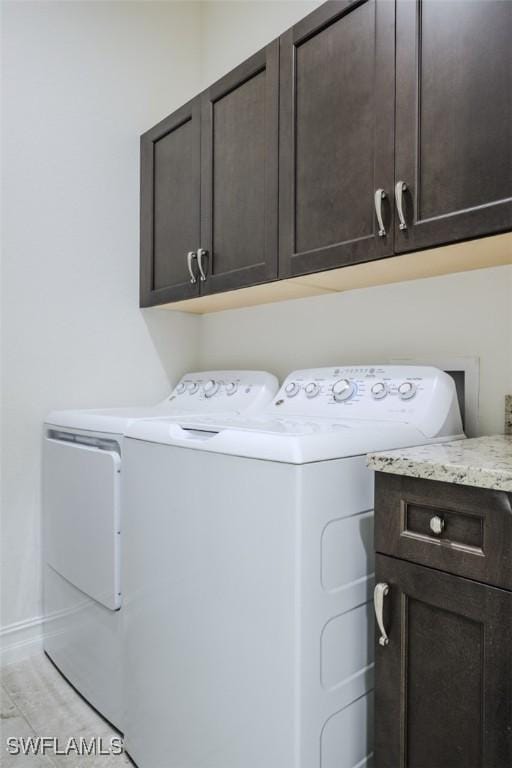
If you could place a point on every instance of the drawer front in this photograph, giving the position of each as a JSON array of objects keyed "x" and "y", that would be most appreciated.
[{"x": 454, "y": 528}]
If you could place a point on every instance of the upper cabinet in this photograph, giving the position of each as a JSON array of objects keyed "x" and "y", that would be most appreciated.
[
  {"x": 337, "y": 137},
  {"x": 170, "y": 207},
  {"x": 371, "y": 128},
  {"x": 239, "y": 174},
  {"x": 453, "y": 120},
  {"x": 209, "y": 181}
]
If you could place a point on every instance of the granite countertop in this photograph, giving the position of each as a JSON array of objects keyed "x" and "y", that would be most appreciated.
[{"x": 484, "y": 462}]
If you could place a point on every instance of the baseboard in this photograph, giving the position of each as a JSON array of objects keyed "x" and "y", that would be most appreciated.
[{"x": 21, "y": 640}]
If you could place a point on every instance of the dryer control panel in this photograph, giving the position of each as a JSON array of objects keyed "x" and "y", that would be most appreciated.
[
  {"x": 222, "y": 391},
  {"x": 419, "y": 395}
]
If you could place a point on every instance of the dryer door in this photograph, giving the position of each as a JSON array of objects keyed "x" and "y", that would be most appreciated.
[{"x": 81, "y": 499}]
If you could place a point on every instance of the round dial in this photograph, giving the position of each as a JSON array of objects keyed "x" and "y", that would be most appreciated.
[
  {"x": 193, "y": 387},
  {"x": 379, "y": 390},
  {"x": 210, "y": 388},
  {"x": 343, "y": 390},
  {"x": 231, "y": 387},
  {"x": 312, "y": 389},
  {"x": 181, "y": 388},
  {"x": 292, "y": 389},
  {"x": 406, "y": 390}
]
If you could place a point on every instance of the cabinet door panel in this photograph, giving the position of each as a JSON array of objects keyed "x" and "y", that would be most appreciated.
[
  {"x": 444, "y": 682},
  {"x": 336, "y": 141},
  {"x": 454, "y": 119},
  {"x": 240, "y": 174},
  {"x": 170, "y": 205}
]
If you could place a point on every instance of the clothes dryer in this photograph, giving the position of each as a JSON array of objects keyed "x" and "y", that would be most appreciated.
[{"x": 83, "y": 524}]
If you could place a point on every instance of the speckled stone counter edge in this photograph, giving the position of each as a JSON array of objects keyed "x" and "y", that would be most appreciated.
[{"x": 433, "y": 462}]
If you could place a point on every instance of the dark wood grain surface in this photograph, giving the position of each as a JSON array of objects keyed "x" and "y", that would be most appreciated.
[
  {"x": 274, "y": 168},
  {"x": 476, "y": 541},
  {"x": 336, "y": 136},
  {"x": 170, "y": 205},
  {"x": 444, "y": 683},
  {"x": 453, "y": 119},
  {"x": 239, "y": 174}
]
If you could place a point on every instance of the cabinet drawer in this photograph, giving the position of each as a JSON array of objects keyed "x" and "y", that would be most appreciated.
[{"x": 454, "y": 528}]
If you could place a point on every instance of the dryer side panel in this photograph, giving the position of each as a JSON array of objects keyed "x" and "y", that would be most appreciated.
[{"x": 336, "y": 627}]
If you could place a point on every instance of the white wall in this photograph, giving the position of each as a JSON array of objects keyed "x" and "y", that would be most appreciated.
[
  {"x": 81, "y": 81},
  {"x": 232, "y": 30},
  {"x": 468, "y": 314}
]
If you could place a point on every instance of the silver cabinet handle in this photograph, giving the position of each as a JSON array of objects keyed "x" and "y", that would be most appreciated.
[
  {"x": 379, "y": 593},
  {"x": 379, "y": 196},
  {"x": 202, "y": 254},
  {"x": 191, "y": 255},
  {"x": 400, "y": 188}
]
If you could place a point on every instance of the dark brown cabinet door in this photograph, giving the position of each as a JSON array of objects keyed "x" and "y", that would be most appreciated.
[
  {"x": 453, "y": 119},
  {"x": 444, "y": 682},
  {"x": 170, "y": 206},
  {"x": 239, "y": 175},
  {"x": 336, "y": 136}
]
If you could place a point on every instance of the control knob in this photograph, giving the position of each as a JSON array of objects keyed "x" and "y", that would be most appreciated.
[
  {"x": 231, "y": 388},
  {"x": 292, "y": 389},
  {"x": 181, "y": 388},
  {"x": 406, "y": 390},
  {"x": 379, "y": 390},
  {"x": 210, "y": 388},
  {"x": 312, "y": 389},
  {"x": 193, "y": 387},
  {"x": 343, "y": 390}
]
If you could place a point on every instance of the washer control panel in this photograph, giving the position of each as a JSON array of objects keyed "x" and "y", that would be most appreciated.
[
  {"x": 413, "y": 394},
  {"x": 219, "y": 391}
]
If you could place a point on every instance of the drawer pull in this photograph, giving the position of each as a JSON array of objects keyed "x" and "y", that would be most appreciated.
[
  {"x": 379, "y": 593},
  {"x": 437, "y": 525}
]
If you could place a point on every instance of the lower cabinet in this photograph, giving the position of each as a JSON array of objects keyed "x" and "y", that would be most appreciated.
[
  {"x": 443, "y": 605},
  {"x": 443, "y": 694}
]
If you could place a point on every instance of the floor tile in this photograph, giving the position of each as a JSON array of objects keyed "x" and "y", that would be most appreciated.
[
  {"x": 26, "y": 761},
  {"x": 35, "y": 700},
  {"x": 7, "y": 705},
  {"x": 58, "y": 716},
  {"x": 48, "y": 702},
  {"x": 14, "y": 726},
  {"x": 34, "y": 674}
]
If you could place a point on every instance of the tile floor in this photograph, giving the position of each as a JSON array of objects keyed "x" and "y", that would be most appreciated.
[{"x": 36, "y": 701}]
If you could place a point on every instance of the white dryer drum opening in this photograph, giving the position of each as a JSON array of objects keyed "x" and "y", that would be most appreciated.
[{"x": 82, "y": 517}]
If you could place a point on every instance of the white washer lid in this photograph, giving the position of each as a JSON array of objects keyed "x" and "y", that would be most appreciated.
[
  {"x": 291, "y": 441},
  {"x": 235, "y": 392}
]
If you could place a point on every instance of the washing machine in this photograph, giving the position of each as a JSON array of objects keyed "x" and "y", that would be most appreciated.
[
  {"x": 83, "y": 462},
  {"x": 250, "y": 570}
]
